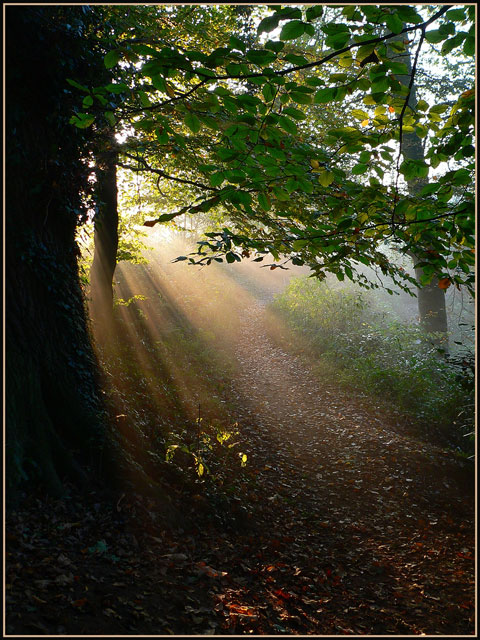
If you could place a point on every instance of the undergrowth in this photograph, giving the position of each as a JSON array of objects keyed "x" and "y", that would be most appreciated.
[
  {"x": 363, "y": 345},
  {"x": 169, "y": 423}
]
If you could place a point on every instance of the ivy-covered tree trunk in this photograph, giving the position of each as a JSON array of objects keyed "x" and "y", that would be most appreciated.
[
  {"x": 106, "y": 242},
  {"x": 431, "y": 298},
  {"x": 53, "y": 414}
]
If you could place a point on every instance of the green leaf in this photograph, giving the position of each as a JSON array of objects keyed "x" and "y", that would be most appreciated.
[
  {"x": 268, "y": 92},
  {"x": 359, "y": 169},
  {"x": 326, "y": 178},
  {"x": 333, "y": 28},
  {"x": 144, "y": 99},
  {"x": 159, "y": 83},
  {"x": 300, "y": 98},
  {"x": 402, "y": 207},
  {"x": 435, "y": 36},
  {"x": 117, "y": 88},
  {"x": 291, "y": 185},
  {"x": 277, "y": 153},
  {"x": 294, "y": 59},
  {"x": 217, "y": 178},
  {"x": 414, "y": 169},
  {"x": 452, "y": 43},
  {"x": 399, "y": 68},
  {"x": 264, "y": 201},
  {"x": 162, "y": 136},
  {"x": 398, "y": 46},
  {"x": 166, "y": 217},
  {"x": 261, "y": 57},
  {"x": 408, "y": 14},
  {"x": 422, "y": 105},
  {"x": 305, "y": 185},
  {"x": 236, "y": 43},
  {"x": 111, "y": 59},
  {"x": 469, "y": 46},
  {"x": 429, "y": 189},
  {"x": 458, "y": 15},
  {"x": 230, "y": 257},
  {"x": 299, "y": 244},
  {"x": 203, "y": 71},
  {"x": 447, "y": 28},
  {"x": 281, "y": 194},
  {"x": 380, "y": 85},
  {"x": 314, "y": 82},
  {"x": 314, "y": 12},
  {"x": 235, "y": 176},
  {"x": 230, "y": 104},
  {"x": 212, "y": 123},
  {"x": 394, "y": 23},
  {"x": 325, "y": 95},
  {"x": 461, "y": 177},
  {"x": 144, "y": 50},
  {"x": 337, "y": 41},
  {"x": 345, "y": 223},
  {"x": 293, "y": 29},
  {"x": 274, "y": 45},
  {"x": 359, "y": 114},
  {"x": 77, "y": 85},
  {"x": 192, "y": 122},
  {"x": 196, "y": 56},
  {"x": 268, "y": 24},
  {"x": 82, "y": 120},
  {"x": 439, "y": 108},
  {"x": 287, "y": 125},
  {"x": 153, "y": 68},
  {"x": 445, "y": 193},
  {"x": 241, "y": 197},
  {"x": 294, "y": 113}
]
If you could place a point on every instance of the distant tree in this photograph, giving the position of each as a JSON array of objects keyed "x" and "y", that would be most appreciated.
[{"x": 431, "y": 297}]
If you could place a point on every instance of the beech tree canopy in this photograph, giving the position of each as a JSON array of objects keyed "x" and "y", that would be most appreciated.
[{"x": 298, "y": 130}]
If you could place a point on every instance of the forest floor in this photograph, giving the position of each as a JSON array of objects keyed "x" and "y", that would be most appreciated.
[{"x": 348, "y": 524}]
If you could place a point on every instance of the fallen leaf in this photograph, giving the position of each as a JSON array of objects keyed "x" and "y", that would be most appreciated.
[
  {"x": 79, "y": 603},
  {"x": 204, "y": 569}
]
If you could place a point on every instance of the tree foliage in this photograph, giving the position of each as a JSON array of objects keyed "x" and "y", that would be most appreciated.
[{"x": 241, "y": 125}]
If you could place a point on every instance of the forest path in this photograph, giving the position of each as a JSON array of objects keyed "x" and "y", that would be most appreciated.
[
  {"x": 368, "y": 519},
  {"x": 348, "y": 443}
]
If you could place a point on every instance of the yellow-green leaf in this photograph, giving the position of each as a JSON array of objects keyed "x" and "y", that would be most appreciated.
[{"x": 326, "y": 178}]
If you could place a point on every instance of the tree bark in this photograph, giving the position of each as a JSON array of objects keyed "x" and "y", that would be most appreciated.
[
  {"x": 54, "y": 426},
  {"x": 106, "y": 243}
]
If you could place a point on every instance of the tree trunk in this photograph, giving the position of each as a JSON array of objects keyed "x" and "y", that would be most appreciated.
[
  {"x": 431, "y": 299},
  {"x": 53, "y": 413},
  {"x": 106, "y": 244}
]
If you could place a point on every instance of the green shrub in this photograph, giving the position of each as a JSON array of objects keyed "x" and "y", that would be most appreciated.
[{"x": 368, "y": 348}]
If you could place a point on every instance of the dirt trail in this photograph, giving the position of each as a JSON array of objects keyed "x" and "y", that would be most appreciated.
[
  {"x": 388, "y": 516},
  {"x": 315, "y": 426}
]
